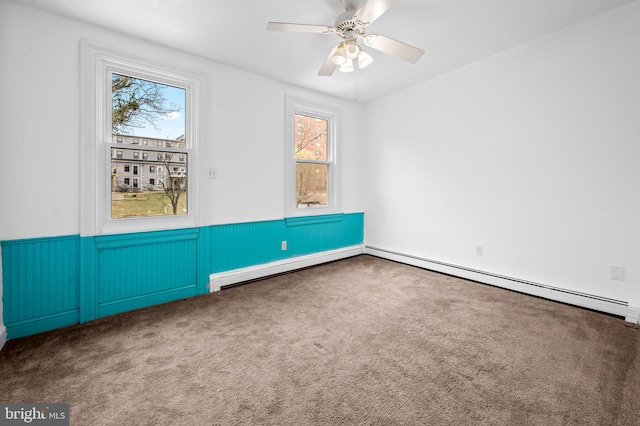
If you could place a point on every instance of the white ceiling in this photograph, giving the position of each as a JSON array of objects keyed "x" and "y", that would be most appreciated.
[{"x": 452, "y": 33}]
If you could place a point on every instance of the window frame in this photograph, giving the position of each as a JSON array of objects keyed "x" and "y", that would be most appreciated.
[
  {"x": 97, "y": 65},
  {"x": 331, "y": 115}
]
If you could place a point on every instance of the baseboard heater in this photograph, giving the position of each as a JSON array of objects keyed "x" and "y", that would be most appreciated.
[
  {"x": 220, "y": 280},
  {"x": 619, "y": 308}
]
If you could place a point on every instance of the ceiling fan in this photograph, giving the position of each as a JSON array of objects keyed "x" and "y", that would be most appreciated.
[{"x": 351, "y": 27}]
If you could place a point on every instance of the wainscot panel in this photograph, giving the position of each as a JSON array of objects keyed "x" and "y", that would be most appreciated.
[
  {"x": 41, "y": 288},
  {"x": 144, "y": 269}
]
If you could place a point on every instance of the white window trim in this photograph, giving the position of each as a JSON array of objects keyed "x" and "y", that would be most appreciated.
[
  {"x": 97, "y": 63},
  {"x": 296, "y": 106}
]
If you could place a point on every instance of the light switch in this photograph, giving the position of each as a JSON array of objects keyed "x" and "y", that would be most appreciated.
[{"x": 617, "y": 273}]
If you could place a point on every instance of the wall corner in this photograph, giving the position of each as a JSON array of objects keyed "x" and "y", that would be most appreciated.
[
  {"x": 3, "y": 329},
  {"x": 3, "y": 335}
]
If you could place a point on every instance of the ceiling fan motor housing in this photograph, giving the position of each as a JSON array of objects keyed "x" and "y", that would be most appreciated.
[{"x": 349, "y": 28}]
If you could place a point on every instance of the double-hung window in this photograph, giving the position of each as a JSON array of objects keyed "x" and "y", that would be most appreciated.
[
  {"x": 134, "y": 185},
  {"x": 312, "y": 169}
]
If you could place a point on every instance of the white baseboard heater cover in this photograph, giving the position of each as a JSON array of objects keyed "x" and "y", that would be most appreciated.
[{"x": 222, "y": 279}]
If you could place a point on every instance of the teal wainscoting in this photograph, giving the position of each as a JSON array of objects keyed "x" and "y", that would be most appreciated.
[
  {"x": 40, "y": 283},
  {"x": 248, "y": 244},
  {"x": 58, "y": 281}
]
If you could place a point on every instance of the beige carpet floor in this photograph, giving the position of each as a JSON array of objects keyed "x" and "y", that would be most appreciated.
[{"x": 359, "y": 341}]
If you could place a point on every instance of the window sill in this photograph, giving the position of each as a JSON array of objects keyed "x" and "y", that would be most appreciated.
[{"x": 310, "y": 220}]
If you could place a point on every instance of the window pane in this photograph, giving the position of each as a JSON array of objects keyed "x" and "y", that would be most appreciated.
[
  {"x": 162, "y": 191},
  {"x": 311, "y": 185},
  {"x": 310, "y": 138},
  {"x": 144, "y": 108}
]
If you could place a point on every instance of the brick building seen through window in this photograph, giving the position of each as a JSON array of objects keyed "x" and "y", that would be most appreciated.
[{"x": 149, "y": 170}]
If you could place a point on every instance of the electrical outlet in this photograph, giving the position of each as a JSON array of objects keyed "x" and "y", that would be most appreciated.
[
  {"x": 478, "y": 250},
  {"x": 617, "y": 273},
  {"x": 213, "y": 173},
  {"x": 284, "y": 245}
]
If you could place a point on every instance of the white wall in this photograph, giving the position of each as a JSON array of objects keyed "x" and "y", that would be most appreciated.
[
  {"x": 40, "y": 113},
  {"x": 532, "y": 154}
]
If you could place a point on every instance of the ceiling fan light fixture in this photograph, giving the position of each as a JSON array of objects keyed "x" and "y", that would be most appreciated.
[
  {"x": 347, "y": 66},
  {"x": 339, "y": 58},
  {"x": 364, "y": 59},
  {"x": 351, "y": 50}
]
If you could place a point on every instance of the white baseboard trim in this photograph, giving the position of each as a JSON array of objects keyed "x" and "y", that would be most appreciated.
[
  {"x": 598, "y": 303},
  {"x": 633, "y": 312},
  {"x": 221, "y": 279},
  {"x": 3, "y": 336}
]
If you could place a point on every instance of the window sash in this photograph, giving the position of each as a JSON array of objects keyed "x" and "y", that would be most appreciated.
[{"x": 137, "y": 146}]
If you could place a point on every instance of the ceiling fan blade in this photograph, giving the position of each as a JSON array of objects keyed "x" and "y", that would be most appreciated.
[
  {"x": 300, "y": 28},
  {"x": 328, "y": 67},
  {"x": 393, "y": 47},
  {"x": 371, "y": 10}
]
